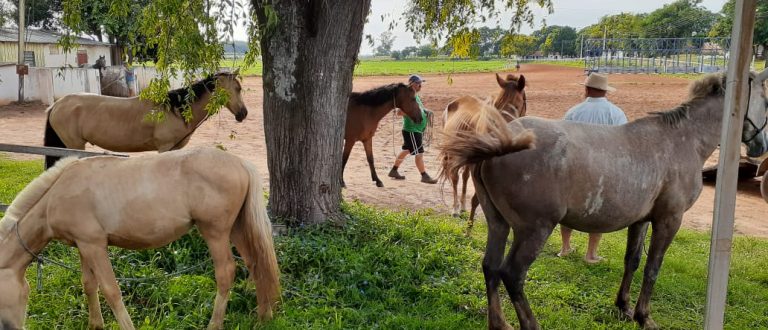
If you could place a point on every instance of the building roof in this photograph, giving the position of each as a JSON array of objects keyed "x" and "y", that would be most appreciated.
[{"x": 43, "y": 37}]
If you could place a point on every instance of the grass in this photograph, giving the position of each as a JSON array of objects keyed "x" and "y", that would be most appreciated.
[
  {"x": 397, "y": 68},
  {"x": 396, "y": 270}
]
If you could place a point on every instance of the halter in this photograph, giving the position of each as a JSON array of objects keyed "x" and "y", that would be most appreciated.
[{"x": 758, "y": 130}]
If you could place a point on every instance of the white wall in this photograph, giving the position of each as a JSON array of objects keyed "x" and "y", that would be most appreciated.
[
  {"x": 61, "y": 59},
  {"x": 47, "y": 84}
]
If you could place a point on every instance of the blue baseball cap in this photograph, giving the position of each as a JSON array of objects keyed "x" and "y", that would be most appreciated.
[{"x": 415, "y": 79}]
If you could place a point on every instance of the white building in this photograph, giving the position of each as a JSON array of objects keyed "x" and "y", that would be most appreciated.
[{"x": 42, "y": 49}]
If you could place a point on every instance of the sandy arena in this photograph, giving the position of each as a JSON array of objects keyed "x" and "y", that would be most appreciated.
[{"x": 551, "y": 91}]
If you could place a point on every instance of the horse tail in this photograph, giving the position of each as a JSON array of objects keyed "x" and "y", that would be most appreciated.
[
  {"x": 252, "y": 236},
  {"x": 469, "y": 138},
  {"x": 51, "y": 139}
]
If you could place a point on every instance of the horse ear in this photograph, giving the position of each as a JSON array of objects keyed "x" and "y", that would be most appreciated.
[
  {"x": 501, "y": 82},
  {"x": 521, "y": 83}
]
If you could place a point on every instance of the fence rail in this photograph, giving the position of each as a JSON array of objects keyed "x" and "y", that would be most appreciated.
[{"x": 49, "y": 151}]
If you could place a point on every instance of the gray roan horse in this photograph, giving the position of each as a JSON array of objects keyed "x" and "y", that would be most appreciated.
[
  {"x": 119, "y": 124},
  {"x": 594, "y": 179}
]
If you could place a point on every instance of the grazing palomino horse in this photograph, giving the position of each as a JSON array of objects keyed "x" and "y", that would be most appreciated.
[
  {"x": 511, "y": 101},
  {"x": 120, "y": 124},
  {"x": 364, "y": 112},
  {"x": 577, "y": 176},
  {"x": 139, "y": 203}
]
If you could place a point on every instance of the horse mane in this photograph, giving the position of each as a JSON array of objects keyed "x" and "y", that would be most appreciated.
[
  {"x": 32, "y": 194},
  {"x": 180, "y": 97},
  {"x": 709, "y": 86},
  {"x": 378, "y": 95}
]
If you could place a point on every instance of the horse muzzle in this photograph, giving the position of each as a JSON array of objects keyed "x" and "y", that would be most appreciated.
[{"x": 240, "y": 116}]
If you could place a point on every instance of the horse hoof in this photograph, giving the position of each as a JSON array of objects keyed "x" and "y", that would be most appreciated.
[
  {"x": 379, "y": 184},
  {"x": 455, "y": 215},
  {"x": 626, "y": 314}
]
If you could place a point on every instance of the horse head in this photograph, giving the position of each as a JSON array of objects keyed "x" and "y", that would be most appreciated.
[
  {"x": 230, "y": 83},
  {"x": 512, "y": 97},
  {"x": 405, "y": 99},
  {"x": 13, "y": 301},
  {"x": 754, "y": 132}
]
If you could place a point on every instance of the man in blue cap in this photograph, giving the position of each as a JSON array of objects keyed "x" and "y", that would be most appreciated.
[{"x": 413, "y": 136}]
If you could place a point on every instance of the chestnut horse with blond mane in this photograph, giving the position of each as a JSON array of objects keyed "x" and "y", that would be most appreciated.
[
  {"x": 139, "y": 203},
  {"x": 512, "y": 102},
  {"x": 120, "y": 124}
]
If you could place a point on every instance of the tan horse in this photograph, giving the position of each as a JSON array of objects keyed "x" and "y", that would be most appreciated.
[
  {"x": 139, "y": 203},
  {"x": 577, "y": 176},
  {"x": 364, "y": 112},
  {"x": 119, "y": 124},
  {"x": 511, "y": 101}
]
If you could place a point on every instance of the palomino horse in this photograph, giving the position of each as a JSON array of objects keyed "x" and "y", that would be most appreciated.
[
  {"x": 139, "y": 203},
  {"x": 364, "y": 112},
  {"x": 120, "y": 124},
  {"x": 577, "y": 176},
  {"x": 511, "y": 101}
]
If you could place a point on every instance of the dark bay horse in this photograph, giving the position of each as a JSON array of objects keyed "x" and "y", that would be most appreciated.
[
  {"x": 364, "y": 112},
  {"x": 511, "y": 101},
  {"x": 138, "y": 203},
  {"x": 595, "y": 179},
  {"x": 120, "y": 124}
]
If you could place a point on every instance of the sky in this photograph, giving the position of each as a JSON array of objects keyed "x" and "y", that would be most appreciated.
[{"x": 573, "y": 13}]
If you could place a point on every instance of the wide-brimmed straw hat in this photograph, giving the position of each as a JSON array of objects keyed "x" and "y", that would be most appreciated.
[{"x": 598, "y": 81}]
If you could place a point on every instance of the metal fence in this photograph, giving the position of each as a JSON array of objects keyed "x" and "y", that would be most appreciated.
[{"x": 655, "y": 55}]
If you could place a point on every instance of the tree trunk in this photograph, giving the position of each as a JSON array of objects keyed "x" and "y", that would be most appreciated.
[{"x": 308, "y": 58}]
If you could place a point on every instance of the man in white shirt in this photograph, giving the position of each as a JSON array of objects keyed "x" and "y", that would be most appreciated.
[{"x": 595, "y": 109}]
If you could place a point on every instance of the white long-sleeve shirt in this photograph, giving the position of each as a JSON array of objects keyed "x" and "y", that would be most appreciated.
[{"x": 596, "y": 110}]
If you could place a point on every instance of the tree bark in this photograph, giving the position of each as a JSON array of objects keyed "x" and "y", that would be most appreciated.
[{"x": 308, "y": 57}]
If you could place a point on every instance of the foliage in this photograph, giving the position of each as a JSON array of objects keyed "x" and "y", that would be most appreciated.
[
  {"x": 426, "y": 51},
  {"x": 386, "y": 39},
  {"x": 464, "y": 44},
  {"x": 724, "y": 22},
  {"x": 624, "y": 25},
  {"x": 41, "y": 14},
  {"x": 557, "y": 39},
  {"x": 393, "y": 270},
  {"x": 518, "y": 44},
  {"x": 682, "y": 18}
]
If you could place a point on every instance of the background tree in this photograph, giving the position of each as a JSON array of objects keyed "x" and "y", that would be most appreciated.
[
  {"x": 409, "y": 51},
  {"x": 309, "y": 49},
  {"x": 490, "y": 41},
  {"x": 557, "y": 39},
  {"x": 624, "y": 25},
  {"x": 426, "y": 51},
  {"x": 724, "y": 23},
  {"x": 40, "y": 14},
  {"x": 518, "y": 44},
  {"x": 386, "y": 39},
  {"x": 682, "y": 19},
  {"x": 396, "y": 55}
]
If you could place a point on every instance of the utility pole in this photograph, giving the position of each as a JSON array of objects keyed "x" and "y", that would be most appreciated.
[
  {"x": 605, "y": 35},
  {"x": 21, "y": 68}
]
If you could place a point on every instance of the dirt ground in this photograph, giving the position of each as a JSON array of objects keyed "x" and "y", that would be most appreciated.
[{"x": 551, "y": 91}]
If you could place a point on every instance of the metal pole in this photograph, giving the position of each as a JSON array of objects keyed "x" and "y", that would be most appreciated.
[
  {"x": 736, "y": 98},
  {"x": 20, "y": 59}
]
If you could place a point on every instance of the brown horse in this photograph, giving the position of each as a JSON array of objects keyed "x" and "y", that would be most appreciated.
[
  {"x": 364, "y": 112},
  {"x": 577, "y": 176},
  {"x": 511, "y": 101},
  {"x": 120, "y": 124},
  {"x": 139, "y": 203}
]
